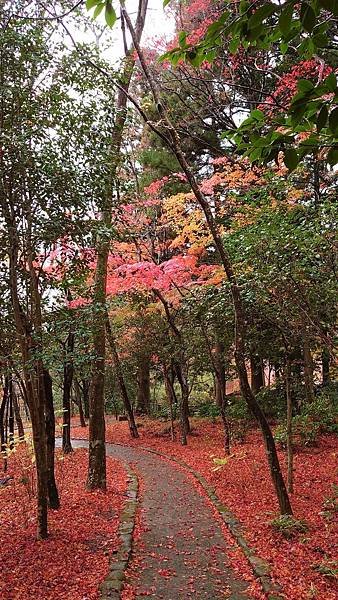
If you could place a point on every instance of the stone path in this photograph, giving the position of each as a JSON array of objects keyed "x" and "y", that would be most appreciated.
[{"x": 183, "y": 554}]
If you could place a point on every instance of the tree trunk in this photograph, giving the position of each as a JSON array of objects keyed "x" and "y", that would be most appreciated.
[
  {"x": 143, "y": 386},
  {"x": 68, "y": 372},
  {"x": 173, "y": 140},
  {"x": 326, "y": 366},
  {"x": 289, "y": 438},
  {"x": 257, "y": 381},
  {"x": 78, "y": 401},
  {"x": 308, "y": 368},
  {"x": 123, "y": 389},
  {"x": 53, "y": 495},
  {"x": 29, "y": 334},
  {"x": 2, "y": 420},
  {"x": 184, "y": 404},
  {"x": 97, "y": 447},
  {"x": 85, "y": 392},
  {"x": 220, "y": 393},
  {"x": 97, "y": 462},
  {"x": 169, "y": 388},
  {"x": 19, "y": 423},
  {"x": 11, "y": 421}
]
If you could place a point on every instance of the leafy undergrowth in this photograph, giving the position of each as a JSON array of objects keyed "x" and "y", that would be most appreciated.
[
  {"x": 73, "y": 561},
  {"x": 243, "y": 484}
]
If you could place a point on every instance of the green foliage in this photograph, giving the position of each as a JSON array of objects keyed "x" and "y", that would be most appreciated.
[
  {"x": 208, "y": 409},
  {"x": 309, "y": 32},
  {"x": 272, "y": 401},
  {"x": 288, "y": 526},
  {"x": 109, "y": 14},
  {"x": 317, "y": 417},
  {"x": 237, "y": 408}
]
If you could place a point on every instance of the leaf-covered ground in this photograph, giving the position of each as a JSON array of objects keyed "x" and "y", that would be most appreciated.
[
  {"x": 73, "y": 561},
  {"x": 243, "y": 484}
]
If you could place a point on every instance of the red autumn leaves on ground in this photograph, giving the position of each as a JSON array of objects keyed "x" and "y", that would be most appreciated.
[
  {"x": 73, "y": 561},
  {"x": 243, "y": 484}
]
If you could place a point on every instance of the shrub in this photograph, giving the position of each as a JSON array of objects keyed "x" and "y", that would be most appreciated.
[
  {"x": 208, "y": 409},
  {"x": 320, "y": 416},
  {"x": 288, "y": 526}
]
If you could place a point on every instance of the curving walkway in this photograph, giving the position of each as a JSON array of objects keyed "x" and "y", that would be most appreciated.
[{"x": 183, "y": 552}]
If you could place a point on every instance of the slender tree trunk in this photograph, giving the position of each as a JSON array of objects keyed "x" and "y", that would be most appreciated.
[
  {"x": 85, "y": 392},
  {"x": 3, "y": 419},
  {"x": 174, "y": 143},
  {"x": 169, "y": 384},
  {"x": 220, "y": 393},
  {"x": 97, "y": 461},
  {"x": 11, "y": 422},
  {"x": 68, "y": 372},
  {"x": 289, "y": 437},
  {"x": 257, "y": 382},
  {"x": 53, "y": 495},
  {"x": 120, "y": 379},
  {"x": 19, "y": 423},
  {"x": 184, "y": 404},
  {"x": 326, "y": 367},
  {"x": 308, "y": 368},
  {"x": 78, "y": 401},
  {"x": 143, "y": 386}
]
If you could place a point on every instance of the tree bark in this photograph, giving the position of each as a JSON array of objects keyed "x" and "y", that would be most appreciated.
[
  {"x": 97, "y": 462},
  {"x": 326, "y": 367},
  {"x": 2, "y": 420},
  {"x": 257, "y": 381},
  {"x": 174, "y": 143},
  {"x": 85, "y": 391},
  {"x": 220, "y": 393},
  {"x": 289, "y": 437},
  {"x": 181, "y": 374},
  {"x": 123, "y": 389},
  {"x": 11, "y": 421},
  {"x": 19, "y": 423},
  {"x": 78, "y": 401},
  {"x": 53, "y": 495},
  {"x": 143, "y": 386},
  {"x": 169, "y": 388},
  {"x": 68, "y": 372},
  {"x": 308, "y": 368}
]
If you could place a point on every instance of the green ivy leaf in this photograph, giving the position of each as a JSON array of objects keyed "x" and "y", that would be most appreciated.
[
  {"x": 110, "y": 15},
  {"x": 322, "y": 118},
  {"x": 307, "y": 17},
  {"x": 182, "y": 39},
  {"x": 91, "y": 3},
  {"x": 291, "y": 159},
  {"x": 98, "y": 10},
  {"x": 331, "y": 82},
  {"x": 333, "y": 121},
  {"x": 285, "y": 19},
  {"x": 304, "y": 85}
]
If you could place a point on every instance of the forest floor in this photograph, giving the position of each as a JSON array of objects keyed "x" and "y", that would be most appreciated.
[
  {"x": 303, "y": 565},
  {"x": 73, "y": 561}
]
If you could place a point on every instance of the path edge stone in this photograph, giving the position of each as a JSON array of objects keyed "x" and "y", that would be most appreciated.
[
  {"x": 260, "y": 568},
  {"x": 111, "y": 587}
]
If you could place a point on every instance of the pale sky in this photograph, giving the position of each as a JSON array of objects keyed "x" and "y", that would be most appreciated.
[{"x": 159, "y": 24}]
